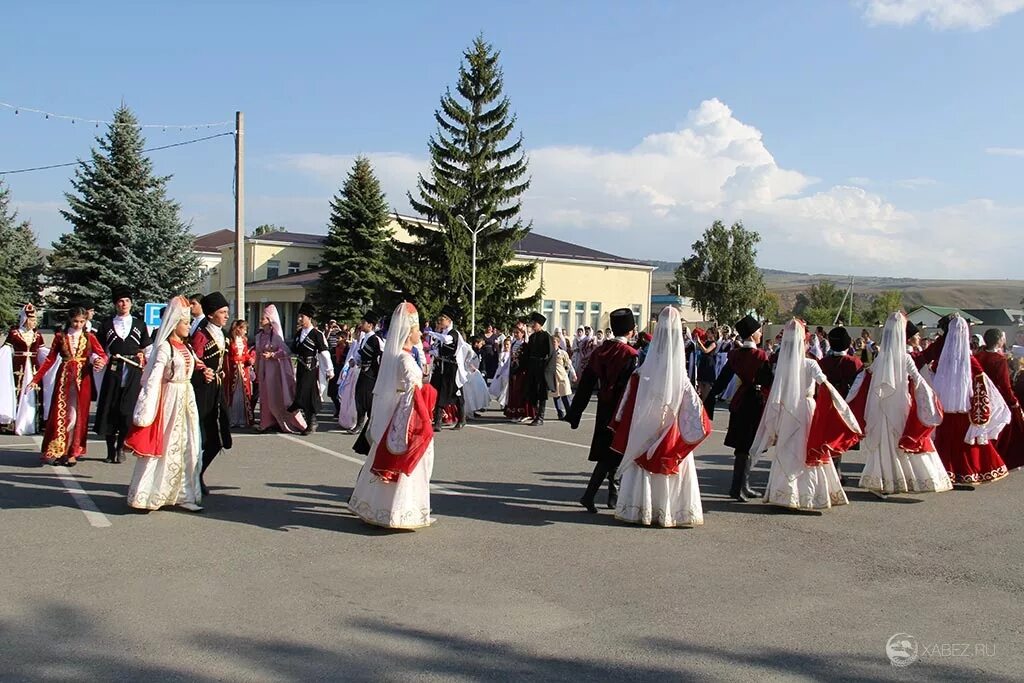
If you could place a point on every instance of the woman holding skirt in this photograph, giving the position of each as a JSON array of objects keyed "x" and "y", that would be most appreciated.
[{"x": 276, "y": 376}]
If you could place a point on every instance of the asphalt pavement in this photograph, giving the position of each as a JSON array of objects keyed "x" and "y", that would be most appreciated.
[{"x": 277, "y": 581}]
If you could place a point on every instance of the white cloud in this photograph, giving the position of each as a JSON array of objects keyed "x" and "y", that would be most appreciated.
[
  {"x": 654, "y": 199},
  {"x": 915, "y": 183},
  {"x": 1005, "y": 151},
  {"x": 940, "y": 14}
]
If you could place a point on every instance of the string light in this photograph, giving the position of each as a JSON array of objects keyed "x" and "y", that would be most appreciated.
[
  {"x": 150, "y": 149},
  {"x": 73, "y": 119}
]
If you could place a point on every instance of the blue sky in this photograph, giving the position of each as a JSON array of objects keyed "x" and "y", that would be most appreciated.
[{"x": 863, "y": 137}]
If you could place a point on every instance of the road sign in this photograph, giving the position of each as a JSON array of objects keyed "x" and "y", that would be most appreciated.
[{"x": 152, "y": 314}]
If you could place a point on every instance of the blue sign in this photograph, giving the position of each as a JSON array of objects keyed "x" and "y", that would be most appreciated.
[{"x": 152, "y": 314}]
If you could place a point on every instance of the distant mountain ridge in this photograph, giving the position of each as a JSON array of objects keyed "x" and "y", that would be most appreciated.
[{"x": 916, "y": 292}]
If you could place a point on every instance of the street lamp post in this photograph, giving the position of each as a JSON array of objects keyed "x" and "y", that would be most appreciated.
[{"x": 462, "y": 221}]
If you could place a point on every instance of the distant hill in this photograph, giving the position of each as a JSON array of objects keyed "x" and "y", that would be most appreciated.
[{"x": 957, "y": 293}]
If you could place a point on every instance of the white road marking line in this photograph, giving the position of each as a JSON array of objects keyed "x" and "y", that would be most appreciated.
[
  {"x": 81, "y": 498},
  {"x": 353, "y": 459},
  {"x": 14, "y": 446},
  {"x": 530, "y": 436}
]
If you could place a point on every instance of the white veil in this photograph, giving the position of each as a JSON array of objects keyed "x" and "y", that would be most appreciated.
[
  {"x": 953, "y": 376},
  {"x": 387, "y": 391},
  {"x": 176, "y": 310},
  {"x": 889, "y": 371},
  {"x": 660, "y": 390},
  {"x": 275, "y": 320},
  {"x": 790, "y": 383}
]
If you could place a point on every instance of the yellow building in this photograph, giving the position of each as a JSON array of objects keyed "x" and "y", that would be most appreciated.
[{"x": 581, "y": 285}]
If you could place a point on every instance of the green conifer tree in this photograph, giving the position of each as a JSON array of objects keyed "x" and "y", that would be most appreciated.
[{"x": 21, "y": 262}]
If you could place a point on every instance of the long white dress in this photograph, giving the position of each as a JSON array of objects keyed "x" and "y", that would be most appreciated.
[
  {"x": 887, "y": 467},
  {"x": 405, "y": 503},
  {"x": 474, "y": 391},
  {"x": 499, "y": 385},
  {"x": 791, "y": 482},
  {"x": 666, "y": 500},
  {"x": 172, "y": 478}
]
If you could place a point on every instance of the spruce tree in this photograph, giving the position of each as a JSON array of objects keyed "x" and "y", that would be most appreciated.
[
  {"x": 479, "y": 173},
  {"x": 21, "y": 262},
  {"x": 355, "y": 254},
  {"x": 125, "y": 231}
]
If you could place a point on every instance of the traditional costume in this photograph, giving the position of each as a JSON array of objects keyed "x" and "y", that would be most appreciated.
[
  {"x": 1010, "y": 443},
  {"x": 393, "y": 487},
  {"x": 841, "y": 369},
  {"x": 166, "y": 435},
  {"x": 210, "y": 347},
  {"x": 516, "y": 405},
  {"x": 238, "y": 381},
  {"x": 538, "y": 356},
  {"x": 658, "y": 425},
  {"x": 975, "y": 412},
  {"x": 899, "y": 411},
  {"x": 607, "y": 372},
  {"x": 369, "y": 357},
  {"x": 499, "y": 385},
  {"x": 475, "y": 396},
  {"x": 807, "y": 421},
  {"x": 21, "y": 407},
  {"x": 68, "y": 421},
  {"x": 449, "y": 369},
  {"x": 276, "y": 377},
  {"x": 347, "y": 414},
  {"x": 312, "y": 369},
  {"x": 749, "y": 369},
  {"x": 124, "y": 338}
]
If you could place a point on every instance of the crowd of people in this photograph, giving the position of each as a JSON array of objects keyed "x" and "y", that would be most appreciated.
[{"x": 927, "y": 416}]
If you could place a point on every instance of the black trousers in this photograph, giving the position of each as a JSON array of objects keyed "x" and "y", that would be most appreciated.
[
  {"x": 364, "y": 397},
  {"x": 459, "y": 402},
  {"x": 603, "y": 469},
  {"x": 209, "y": 429},
  {"x": 562, "y": 406}
]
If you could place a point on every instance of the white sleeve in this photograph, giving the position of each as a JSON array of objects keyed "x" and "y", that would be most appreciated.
[{"x": 149, "y": 396}]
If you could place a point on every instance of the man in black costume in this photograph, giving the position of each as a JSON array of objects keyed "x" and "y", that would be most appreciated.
[
  {"x": 371, "y": 349},
  {"x": 538, "y": 354},
  {"x": 210, "y": 347},
  {"x": 445, "y": 374},
  {"x": 124, "y": 338},
  {"x": 310, "y": 348}
]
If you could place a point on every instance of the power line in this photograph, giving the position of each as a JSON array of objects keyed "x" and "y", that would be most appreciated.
[
  {"x": 151, "y": 149},
  {"x": 74, "y": 119}
]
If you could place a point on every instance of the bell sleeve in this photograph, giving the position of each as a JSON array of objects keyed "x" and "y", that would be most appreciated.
[{"x": 149, "y": 396}]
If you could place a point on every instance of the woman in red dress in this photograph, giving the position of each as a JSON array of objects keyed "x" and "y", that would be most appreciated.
[
  {"x": 517, "y": 407},
  {"x": 992, "y": 357},
  {"x": 67, "y": 425},
  {"x": 238, "y": 375}
]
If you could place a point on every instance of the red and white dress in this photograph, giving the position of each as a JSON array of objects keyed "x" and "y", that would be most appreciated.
[{"x": 238, "y": 382}]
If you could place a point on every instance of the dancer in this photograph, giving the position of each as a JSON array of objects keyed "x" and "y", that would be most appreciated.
[
  {"x": 475, "y": 396},
  {"x": 80, "y": 353},
  {"x": 841, "y": 369},
  {"x": 538, "y": 356},
  {"x": 210, "y": 347},
  {"x": 752, "y": 370},
  {"x": 974, "y": 412},
  {"x": 994, "y": 362},
  {"x": 368, "y": 355},
  {"x": 658, "y": 425},
  {"x": 166, "y": 433},
  {"x": 449, "y": 372},
  {"x": 276, "y": 377},
  {"x": 806, "y": 420},
  {"x": 608, "y": 371},
  {"x": 313, "y": 368},
  {"x": 21, "y": 411},
  {"x": 499, "y": 385},
  {"x": 393, "y": 486},
  {"x": 899, "y": 412},
  {"x": 125, "y": 339},
  {"x": 237, "y": 375}
]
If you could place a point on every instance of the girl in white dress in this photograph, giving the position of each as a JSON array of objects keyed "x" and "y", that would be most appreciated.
[
  {"x": 807, "y": 421},
  {"x": 165, "y": 436},
  {"x": 393, "y": 487}
]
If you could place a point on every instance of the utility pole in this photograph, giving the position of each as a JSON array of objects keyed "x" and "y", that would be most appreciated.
[
  {"x": 461, "y": 220},
  {"x": 240, "y": 215}
]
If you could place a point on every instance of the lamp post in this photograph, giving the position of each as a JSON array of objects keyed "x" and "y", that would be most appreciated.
[{"x": 461, "y": 220}]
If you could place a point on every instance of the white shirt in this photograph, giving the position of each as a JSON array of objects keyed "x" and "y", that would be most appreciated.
[
  {"x": 217, "y": 334},
  {"x": 303, "y": 333},
  {"x": 122, "y": 325}
]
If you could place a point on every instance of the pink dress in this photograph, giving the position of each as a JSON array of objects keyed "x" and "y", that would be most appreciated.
[{"x": 276, "y": 378}]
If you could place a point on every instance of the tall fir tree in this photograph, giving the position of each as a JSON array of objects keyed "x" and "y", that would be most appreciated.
[
  {"x": 21, "y": 261},
  {"x": 355, "y": 254},
  {"x": 479, "y": 173},
  {"x": 125, "y": 230}
]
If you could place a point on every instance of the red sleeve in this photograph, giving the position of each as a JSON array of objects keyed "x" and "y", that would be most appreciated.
[
  {"x": 96, "y": 347},
  {"x": 998, "y": 370},
  {"x": 51, "y": 358},
  {"x": 829, "y": 434},
  {"x": 859, "y": 403},
  {"x": 199, "y": 341},
  {"x": 917, "y": 437},
  {"x": 620, "y": 427}
]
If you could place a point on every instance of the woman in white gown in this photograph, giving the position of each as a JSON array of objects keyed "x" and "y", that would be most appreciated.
[
  {"x": 807, "y": 421},
  {"x": 899, "y": 412},
  {"x": 499, "y": 385},
  {"x": 658, "y": 425},
  {"x": 475, "y": 393},
  {"x": 165, "y": 435},
  {"x": 393, "y": 487}
]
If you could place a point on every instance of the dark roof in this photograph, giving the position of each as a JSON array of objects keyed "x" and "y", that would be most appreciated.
[
  {"x": 302, "y": 278},
  {"x": 995, "y": 316},
  {"x": 293, "y": 237},
  {"x": 212, "y": 241},
  {"x": 539, "y": 245}
]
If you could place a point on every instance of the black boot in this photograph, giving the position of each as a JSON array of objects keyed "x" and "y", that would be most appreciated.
[
  {"x": 738, "y": 468},
  {"x": 111, "y": 450},
  {"x": 837, "y": 460},
  {"x": 745, "y": 489},
  {"x": 593, "y": 486},
  {"x": 613, "y": 492}
]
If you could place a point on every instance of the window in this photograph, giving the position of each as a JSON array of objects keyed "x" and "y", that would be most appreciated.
[
  {"x": 563, "y": 316},
  {"x": 595, "y": 315},
  {"x": 273, "y": 268},
  {"x": 548, "y": 311},
  {"x": 581, "y": 315},
  {"x": 294, "y": 267},
  {"x": 312, "y": 265},
  {"x": 637, "y": 312}
]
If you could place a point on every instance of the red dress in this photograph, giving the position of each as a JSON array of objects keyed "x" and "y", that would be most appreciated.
[
  {"x": 68, "y": 421},
  {"x": 1010, "y": 443},
  {"x": 517, "y": 407},
  {"x": 237, "y": 364},
  {"x": 969, "y": 463}
]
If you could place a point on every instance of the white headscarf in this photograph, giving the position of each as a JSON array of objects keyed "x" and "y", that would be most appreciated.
[
  {"x": 275, "y": 320},
  {"x": 789, "y": 385},
  {"x": 889, "y": 372},
  {"x": 177, "y": 309},
  {"x": 662, "y": 382},
  {"x": 387, "y": 391},
  {"x": 953, "y": 376}
]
